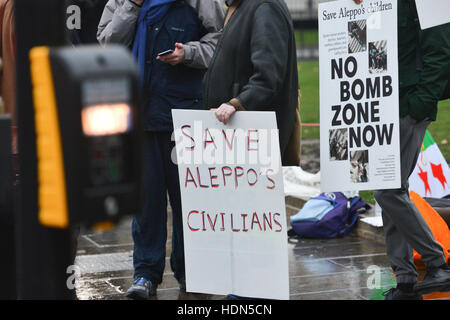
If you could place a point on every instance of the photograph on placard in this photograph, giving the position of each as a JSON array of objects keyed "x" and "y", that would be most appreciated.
[
  {"x": 378, "y": 56},
  {"x": 359, "y": 168},
  {"x": 357, "y": 36},
  {"x": 338, "y": 145}
]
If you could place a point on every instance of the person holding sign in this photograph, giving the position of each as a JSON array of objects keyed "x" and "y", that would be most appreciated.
[
  {"x": 173, "y": 42},
  {"x": 255, "y": 69},
  {"x": 422, "y": 84}
]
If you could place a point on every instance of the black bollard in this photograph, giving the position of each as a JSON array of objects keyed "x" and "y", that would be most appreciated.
[
  {"x": 43, "y": 254},
  {"x": 8, "y": 265}
]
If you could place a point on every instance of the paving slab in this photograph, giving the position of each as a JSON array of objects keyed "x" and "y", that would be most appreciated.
[{"x": 333, "y": 269}]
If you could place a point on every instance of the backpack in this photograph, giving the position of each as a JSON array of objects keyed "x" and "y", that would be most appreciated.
[{"x": 328, "y": 216}]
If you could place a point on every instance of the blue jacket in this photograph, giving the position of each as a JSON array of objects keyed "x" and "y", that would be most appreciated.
[
  {"x": 171, "y": 87},
  {"x": 196, "y": 24}
]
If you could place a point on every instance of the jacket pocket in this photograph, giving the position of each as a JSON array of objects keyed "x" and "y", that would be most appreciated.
[{"x": 176, "y": 102}]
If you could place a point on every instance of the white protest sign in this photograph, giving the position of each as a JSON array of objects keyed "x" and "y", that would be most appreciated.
[
  {"x": 231, "y": 179},
  {"x": 433, "y": 13},
  {"x": 359, "y": 97}
]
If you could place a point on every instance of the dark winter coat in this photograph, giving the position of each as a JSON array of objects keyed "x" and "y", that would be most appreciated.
[{"x": 255, "y": 65}]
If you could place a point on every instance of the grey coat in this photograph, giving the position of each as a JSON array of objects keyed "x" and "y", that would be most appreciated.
[
  {"x": 119, "y": 19},
  {"x": 255, "y": 65}
]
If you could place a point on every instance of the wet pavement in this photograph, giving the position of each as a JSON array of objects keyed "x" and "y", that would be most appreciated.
[
  {"x": 351, "y": 268},
  {"x": 319, "y": 269}
]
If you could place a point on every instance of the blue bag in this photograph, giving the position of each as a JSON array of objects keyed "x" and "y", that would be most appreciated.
[{"x": 330, "y": 215}]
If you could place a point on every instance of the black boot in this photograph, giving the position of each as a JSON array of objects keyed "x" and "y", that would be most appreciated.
[
  {"x": 436, "y": 279},
  {"x": 398, "y": 294}
]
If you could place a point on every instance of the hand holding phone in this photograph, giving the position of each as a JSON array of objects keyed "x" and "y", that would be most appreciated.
[
  {"x": 165, "y": 53},
  {"x": 173, "y": 57}
]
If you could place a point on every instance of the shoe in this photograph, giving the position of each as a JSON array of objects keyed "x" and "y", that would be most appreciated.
[
  {"x": 436, "y": 279},
  {"x": 397, "y": 294},
  {"x": 183, "y": 285},
  {"x": 142, "y": 289},
  {"x": 447, "y": 289}
]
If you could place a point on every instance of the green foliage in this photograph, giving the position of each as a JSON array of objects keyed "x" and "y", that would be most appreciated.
[
  {"x": 440, "y": 130},
  {"x": 307, "y": 37},
  {"x": 309, "y": 87}
]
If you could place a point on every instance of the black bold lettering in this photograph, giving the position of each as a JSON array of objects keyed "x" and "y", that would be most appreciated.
[
  {"x": 345, "y": 91},
  {"x": 375, "y": 111},
  {"x": 373, "y": 88},
  {"x": 349, "y": 120},
  {"x": 369, "y": 142},
  {"x": 335, "y": 68},
  {"x": 357, "y": 95},
  {"x": 384, "y": 134},
  {"x": 337, "y": 112},
  {"x": 363, "y": 112},
  {"x": 355, "y": 137},
  {"x": 348, "y": 61},
  {"x": 387, "y": 86}
]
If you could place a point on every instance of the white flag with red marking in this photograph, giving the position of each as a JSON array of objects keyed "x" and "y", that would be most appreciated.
[{"x": 431, "y": 177}]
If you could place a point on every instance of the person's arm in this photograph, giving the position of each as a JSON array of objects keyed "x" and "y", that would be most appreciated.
[
  {"x": 198, "y": 54},
  {"x": 270, "y": 47},
  {"x": 118, "y": 22},
  {"x": 435, "y": 47}
]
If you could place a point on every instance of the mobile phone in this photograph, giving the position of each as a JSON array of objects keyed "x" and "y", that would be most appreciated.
[{"x": 165, "y": 53}]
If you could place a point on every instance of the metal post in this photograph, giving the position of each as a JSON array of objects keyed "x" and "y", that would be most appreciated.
[
  {"x": 43, "y": 254},
  {"x": 8, "y": 265},
  {"x": 311, "y": 9}
]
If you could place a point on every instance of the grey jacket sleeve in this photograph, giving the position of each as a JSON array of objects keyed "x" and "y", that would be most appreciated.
[
  {"x": 118, "y": 22},
  {"x": 270, "y": 50},
  {"x": 198, "y": 54}
]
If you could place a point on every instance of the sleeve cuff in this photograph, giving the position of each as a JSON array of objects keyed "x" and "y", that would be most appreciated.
[
  {"x": 188, "y": 54},
  {"x": 237, "y": 104},
  {"x": 417, "y": 109}
]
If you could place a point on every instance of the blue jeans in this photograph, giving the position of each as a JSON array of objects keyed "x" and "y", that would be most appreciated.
[{"x": 149, "y": 229}]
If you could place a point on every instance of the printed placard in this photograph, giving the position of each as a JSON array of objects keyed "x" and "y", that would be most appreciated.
[
  {"x": 433, "y": 13},
  {"x": 359, "y": 98}
]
